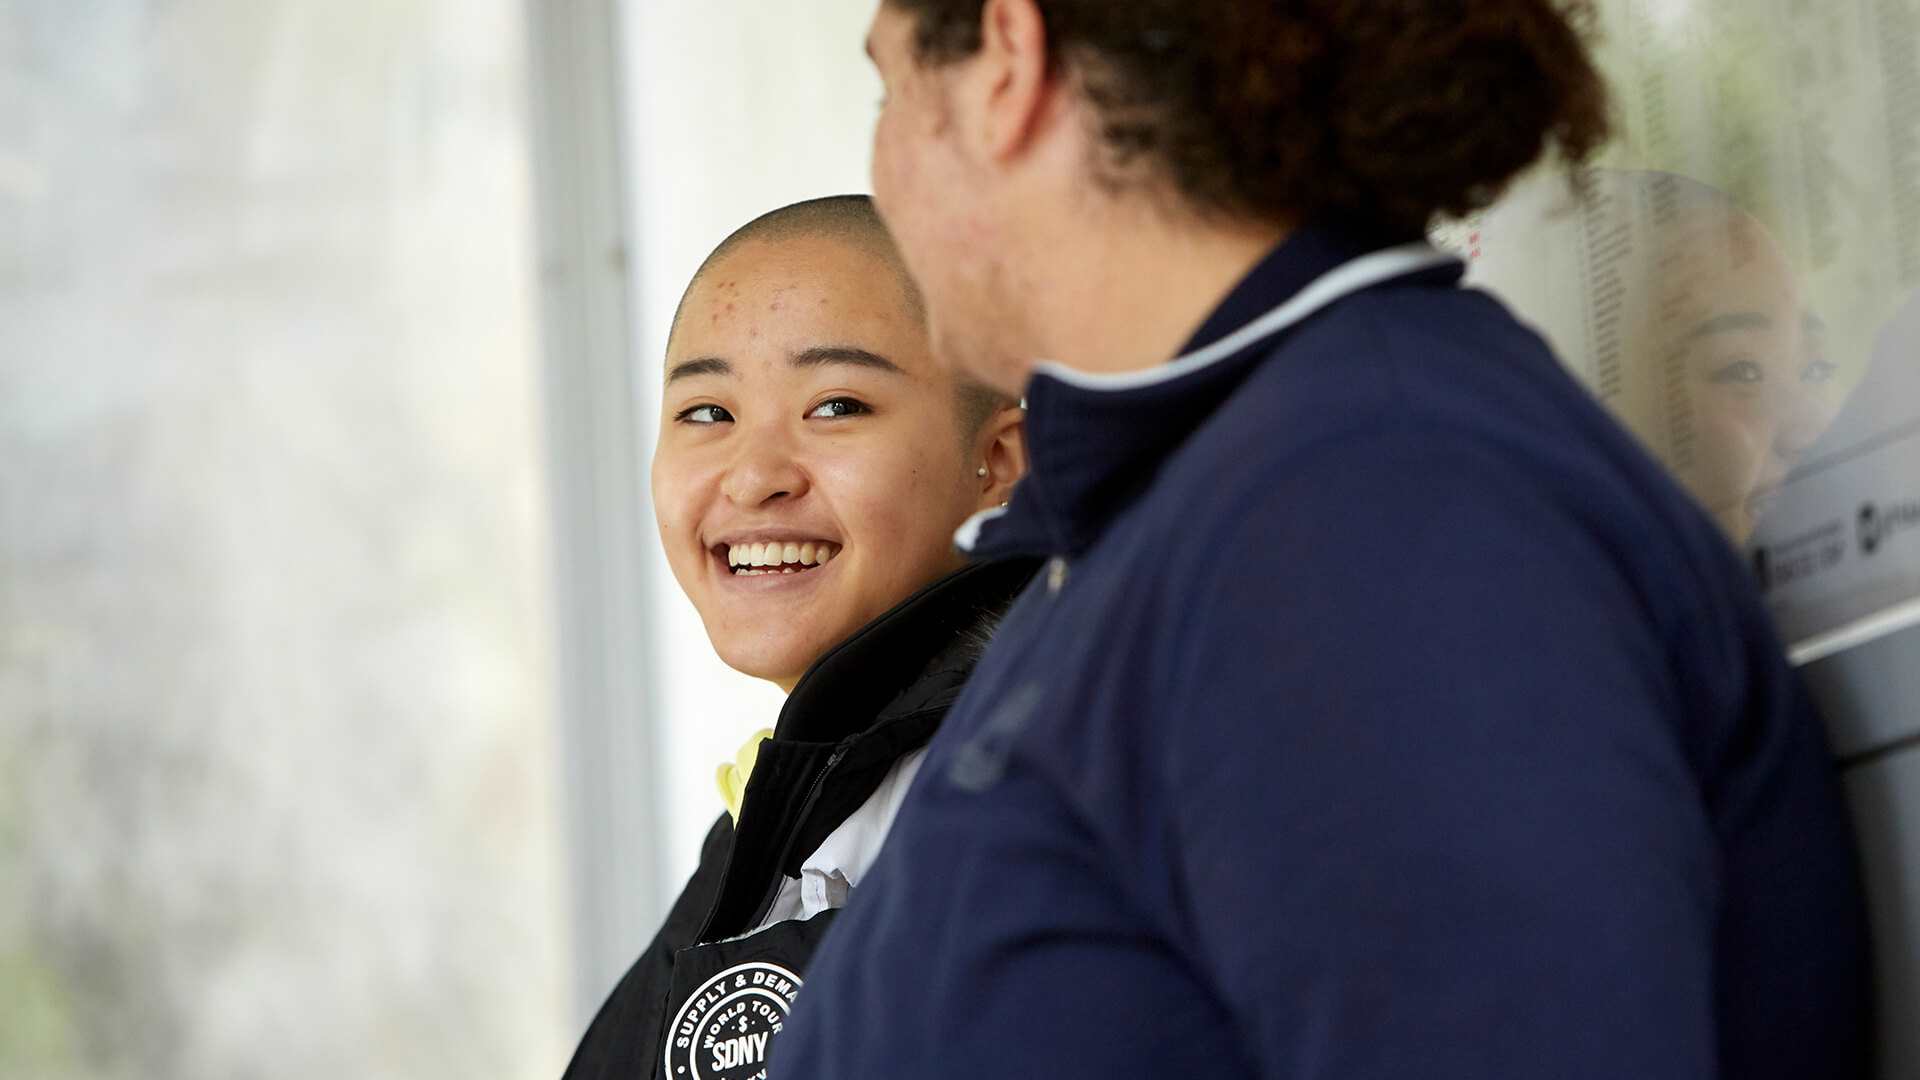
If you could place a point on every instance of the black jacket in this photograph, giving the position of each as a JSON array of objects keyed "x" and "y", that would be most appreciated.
[{"x": 703, "y": 1000}]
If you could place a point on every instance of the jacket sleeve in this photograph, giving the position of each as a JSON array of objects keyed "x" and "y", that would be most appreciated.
[
  {"x": 631, "y": 1017},
  {"x": 1432, "y": 814}
]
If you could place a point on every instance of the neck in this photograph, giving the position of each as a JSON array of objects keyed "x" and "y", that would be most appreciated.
[{"x": 1126, "y": 285}]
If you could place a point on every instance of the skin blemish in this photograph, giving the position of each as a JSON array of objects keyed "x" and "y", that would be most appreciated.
[{"x": 775, "y": 306}]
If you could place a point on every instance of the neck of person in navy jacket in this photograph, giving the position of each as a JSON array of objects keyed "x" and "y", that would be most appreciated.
[{"x": 1384, "y": 708}]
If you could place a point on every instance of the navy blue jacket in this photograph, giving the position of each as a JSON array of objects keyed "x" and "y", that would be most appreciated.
[{"x": 1385, "y": 711}]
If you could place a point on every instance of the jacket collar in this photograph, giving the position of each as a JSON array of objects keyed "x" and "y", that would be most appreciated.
[
  {"x": 1095, "y": 441},
  {"x": 857, "y": 683}
]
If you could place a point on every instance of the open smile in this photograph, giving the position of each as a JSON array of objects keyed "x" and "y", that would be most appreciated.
[{"x": 776, "y": 557}]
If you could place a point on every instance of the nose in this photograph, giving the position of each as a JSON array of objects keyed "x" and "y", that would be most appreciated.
[
  {"x": 762, "y": 474},
  {"x": 1804, "y": 417}
]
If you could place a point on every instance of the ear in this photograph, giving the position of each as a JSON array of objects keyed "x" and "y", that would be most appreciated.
[
  {"x": 1002, "y": 447},
  {"x": 1014, "y": 68}
]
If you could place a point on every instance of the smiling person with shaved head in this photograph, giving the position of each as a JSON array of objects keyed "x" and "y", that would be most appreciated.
[{"x": 812, "y": 465}]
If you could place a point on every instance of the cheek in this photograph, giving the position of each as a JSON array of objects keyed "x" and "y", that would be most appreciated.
[
  {"x": 906, "y": 172},
  {"x": 897, "y": 503},
  {"x": 1732, "y": 432},
  {"x": 886, "y": 167},
  {"x": 660, "y": 489},
  {"x": 676, "y": 503},
  {"x": 1726, "y": 408},
  {"x": 1729, "y": 452},
  {"x": 1814, "y": 407}
]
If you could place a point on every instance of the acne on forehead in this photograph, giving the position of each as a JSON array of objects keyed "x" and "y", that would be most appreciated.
[
  {"x": 823, "y": 309},
  {"x": 797, "y": 291}
]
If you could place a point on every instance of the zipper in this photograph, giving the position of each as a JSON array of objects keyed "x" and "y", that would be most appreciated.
[
  {"x": 726, "y": 870},
  {"x": 765, "y": 906}
]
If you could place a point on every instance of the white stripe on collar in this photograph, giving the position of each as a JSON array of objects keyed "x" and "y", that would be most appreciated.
[
  {"x": 968, "y": 534},
  {"x": 1342, "y": 281}
]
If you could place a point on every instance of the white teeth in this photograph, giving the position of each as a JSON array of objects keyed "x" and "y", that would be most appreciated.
[{"x": 747, "y": 559}]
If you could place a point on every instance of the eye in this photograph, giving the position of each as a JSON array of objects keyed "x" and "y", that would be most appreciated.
[
  {"x": 704, "y": 414},
  {"x": 1818, "y": 371},
  {"x": 838, "y": 408},
  {"x": 1739, "y": 372}
]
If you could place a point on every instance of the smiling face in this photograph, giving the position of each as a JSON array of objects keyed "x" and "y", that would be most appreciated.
[
  {"x": 1760, "y": 383},
  {"x": 811, "y": 466}
]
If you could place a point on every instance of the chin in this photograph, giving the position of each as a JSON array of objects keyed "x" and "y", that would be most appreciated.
[{"x": 783, "y": 663}]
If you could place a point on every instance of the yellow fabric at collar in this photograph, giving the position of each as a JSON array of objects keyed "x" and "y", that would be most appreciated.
[{"x": 732, "y": 776}]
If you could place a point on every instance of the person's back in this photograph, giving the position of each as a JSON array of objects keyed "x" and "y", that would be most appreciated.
[
  {"x": 1631, "y": 731},
  {"x": 1593, "y": 821},
  {"x": 1383, "y": 710}
]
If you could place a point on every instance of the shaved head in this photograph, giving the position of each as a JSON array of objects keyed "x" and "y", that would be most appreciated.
[{"x": 851, "y": 220}]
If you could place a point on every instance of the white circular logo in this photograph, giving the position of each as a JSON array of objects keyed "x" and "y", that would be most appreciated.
[{"x": 723, "y": 1030}]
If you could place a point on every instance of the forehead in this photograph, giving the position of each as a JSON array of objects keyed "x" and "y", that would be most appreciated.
[
  {"x": 843, "y": 278},
  {"x": 1719, "y": 257},
  {"x": 889, "y": 31},
  {"x": 1719, "y": 241},
  {"x": 778, "y": 296}
]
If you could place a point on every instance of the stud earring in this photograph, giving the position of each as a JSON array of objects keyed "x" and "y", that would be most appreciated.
[{"x": 981, "y": 472}]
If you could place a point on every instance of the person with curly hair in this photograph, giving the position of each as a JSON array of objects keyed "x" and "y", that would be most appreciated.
[{"x": 1383, "y": 709}]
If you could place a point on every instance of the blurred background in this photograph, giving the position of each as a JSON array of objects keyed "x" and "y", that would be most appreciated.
[{"x": 350, "y": 722}]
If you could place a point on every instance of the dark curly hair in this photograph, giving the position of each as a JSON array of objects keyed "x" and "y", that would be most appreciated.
[{"x": 1385, "y": 111}]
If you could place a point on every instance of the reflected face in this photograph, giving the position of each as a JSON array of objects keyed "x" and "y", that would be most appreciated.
[
  {"x": 810, "y": 469},
  {"x": 934, "y": 204},
  {"x": 1759, "y": 384}
]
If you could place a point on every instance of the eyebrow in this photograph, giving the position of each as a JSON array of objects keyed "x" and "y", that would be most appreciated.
[
  {"x": 1727, "y": 324},
  {"x": 822, "y": 355},
  {"x": 818, "y": 356},
  {"x": 705, "y": 365}
]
